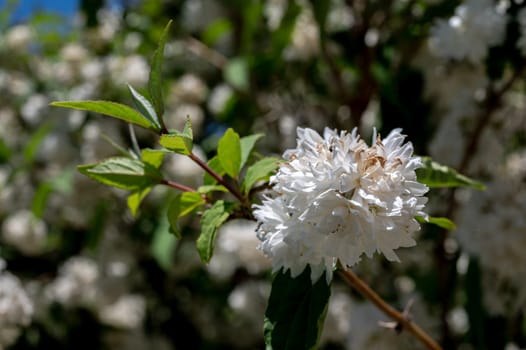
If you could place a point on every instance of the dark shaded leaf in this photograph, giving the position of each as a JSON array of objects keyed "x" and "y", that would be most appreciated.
[{"x": 296, "y": 311}]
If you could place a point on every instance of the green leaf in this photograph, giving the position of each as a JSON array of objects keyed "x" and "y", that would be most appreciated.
[
  {"x": 282, "y": 35},
  {"x": 296, "y": 311},
  {"x": 216, "y": 30},
  {"x": 163, "y": 244},
  {"x": 212, "y": 219},
  {"x": 236, "y": 73},
  {"x": 135, "y": 199},
  {"x": 321, "y": 10},
  {"x": 32, "y": 145},
  {"x": 251, "y": 13},
  {"x": 215, "y": 165},
  {"x": 183, "y": 204},
  {"x": 5, "y": 152},
  {"x": 442, "y": 222},
  {"x": 179, "y": 142},
  {"x": 111, "y": 109},
  {"x": 187, "y": 130},
  {"x": 434, "y": 174},
  {"x": 124, "y": 152},
  {"x": 247, "y": 144},
  {"x": 38, "y": 204},
  {"x": 260, "y": 170},
  {"x": 145, "y": 107},
  {"x": 62, "y": 183},
  {"x": 155, "y": 81},
  {"x": 211, "y": 188},
  {"x": 154, "y": 157},
  {"x": 229, "y": 153},
  {"x": 122, "y": 172}
]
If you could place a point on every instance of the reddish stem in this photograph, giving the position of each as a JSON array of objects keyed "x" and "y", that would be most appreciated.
[
  {"x": 177, "y": 186},
  {"x": 218, "y": 177}
]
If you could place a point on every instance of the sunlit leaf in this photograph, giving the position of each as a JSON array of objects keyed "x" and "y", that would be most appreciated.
[
  {"x": 229, "y": 153},
  {"x": 154, "y": 157},
  {"x": 145, "y": 107},
  {"x": 215, "y": 165},
  {"x": 236, "y": 73},
  {"x": 111, "y": 109},
  {"x": 179, "y": 142},
  {"x": 247, "y": 144},
  {"x": 183, "y": 204},
  {"x": 122, "y": 172},
  {"x": 155, "y": 82},
  {"x": 212, "y": 219},
  {"x": 434, "y": 174},
  {"x": 442, "y": 222},
  {"x": 260, "y": 170},
  {"x": 134, "y": 200}
]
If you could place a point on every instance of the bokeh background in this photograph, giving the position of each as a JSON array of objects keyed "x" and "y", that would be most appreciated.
[{"x": 77, "y": 270}]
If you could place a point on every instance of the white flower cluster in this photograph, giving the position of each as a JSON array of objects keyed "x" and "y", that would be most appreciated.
[
  {"x": 16, "y": 309},
  {"x": 476, "y": 25},
  {"x": 337, "y": 198}
]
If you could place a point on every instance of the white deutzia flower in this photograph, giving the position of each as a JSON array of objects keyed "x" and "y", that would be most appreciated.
[
  {"x": 476, "y": 26},
  {"x": 336, "y": 198}
]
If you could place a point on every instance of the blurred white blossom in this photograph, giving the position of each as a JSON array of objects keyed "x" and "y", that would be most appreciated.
[
  {"x": 177, "y": 117},
  {"x": 249, "y": 301},
  {"x": 337, "y": 323},
  {"x": 16, "y": 309},
  {"x": 33, "y": 109},
  {"x": 25, "y": 232},
  {"x": 237, "y": 247},
  {"x": 305, "y": 41},
  {"x": 219, "y": 97},
  {"x": 274, "y": 11},
  {"x": 76, "y": 283},
  {"x": 74, "y": 53},
  {"x": 476, "y": 26},
  {"x": 19, "y": 37},
  {"x": 188, "y": 88},
  {"x": 491, "y": 227},
  {"x": 127, "y": 312},
  {"x": 131, "y": 69}
]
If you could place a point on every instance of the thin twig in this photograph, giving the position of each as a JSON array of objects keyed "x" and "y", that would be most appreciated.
[
  {"x": 218, "y": 177},
  {"x": 394, "y": 314},
  {"x": 201, "y": 50},
  {"x": 177, "y": 186}
]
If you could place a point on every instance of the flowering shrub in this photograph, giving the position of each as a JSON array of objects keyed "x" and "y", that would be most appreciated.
[{"x": 167, "y": 256}]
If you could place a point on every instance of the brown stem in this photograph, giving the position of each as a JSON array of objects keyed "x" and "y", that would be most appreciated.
[
  {"x": 201, "y": 50},
  {"x": 218, "y": 177},
  {"x": 394, "y": 314},
  {"x": 177, "y": 186}
]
